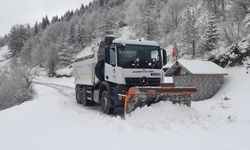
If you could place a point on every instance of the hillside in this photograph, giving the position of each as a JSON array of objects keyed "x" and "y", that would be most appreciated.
[{"x": 196, "y": 28}]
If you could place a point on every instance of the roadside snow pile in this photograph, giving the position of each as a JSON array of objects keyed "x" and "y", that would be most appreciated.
[
  {"x": 165, "y": 115},
  {"x": 65, "y": 72}
]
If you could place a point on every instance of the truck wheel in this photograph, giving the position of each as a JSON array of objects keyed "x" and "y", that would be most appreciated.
[
  {"x": 83, "y": 99},
  {"x": 106, "y": 104},
  {"x": 78, "y": 93}
]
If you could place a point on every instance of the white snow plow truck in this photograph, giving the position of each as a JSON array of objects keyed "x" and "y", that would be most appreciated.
[{"x": 125, "y": 74}]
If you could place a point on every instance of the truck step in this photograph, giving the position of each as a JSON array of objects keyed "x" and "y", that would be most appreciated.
[
  {"x": 89, "y": 92},
  {"x": 89, "y": 98}
]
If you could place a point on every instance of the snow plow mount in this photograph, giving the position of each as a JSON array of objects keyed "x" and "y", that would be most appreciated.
[{"x": 145, "y": 95}]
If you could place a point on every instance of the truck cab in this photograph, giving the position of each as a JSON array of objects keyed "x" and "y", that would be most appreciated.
[{"x": 133, "y": 63}]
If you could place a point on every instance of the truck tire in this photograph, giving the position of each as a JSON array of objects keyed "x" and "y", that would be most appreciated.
[
  {"x": 84, "y": 100},
  {"x": 106, "y": 103},
  {"x": 78, "y": 93},
  {"x": 99, "y": 70}
]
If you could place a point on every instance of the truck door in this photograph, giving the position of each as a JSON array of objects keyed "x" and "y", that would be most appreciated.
[{"x": 110, "y": 64}]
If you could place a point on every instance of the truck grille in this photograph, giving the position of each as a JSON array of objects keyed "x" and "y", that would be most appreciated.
[{"x": 142, "y": 81}]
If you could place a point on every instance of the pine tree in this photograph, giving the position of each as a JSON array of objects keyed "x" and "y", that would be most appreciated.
[
  {"x": 80, "y": 36},
  {"x": 68, "y": 15},
  {"x": 36, "y": 29},
  {"x": 188, "y": 31},
  {"x": 211, "y": 33},
  {"x": 149, "y": 23},
  {"x": 82, "y": 10},
  {"x": 71, "y": 35},
  {"x": 45, "y": 22},
  {"x": 18, "y": 36},
  {"x": 55, "y": 19}
]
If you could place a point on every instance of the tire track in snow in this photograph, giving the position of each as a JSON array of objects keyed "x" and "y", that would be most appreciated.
[
  {"x": 69, "y": 92},
  {"x": 58, "y": 87}
]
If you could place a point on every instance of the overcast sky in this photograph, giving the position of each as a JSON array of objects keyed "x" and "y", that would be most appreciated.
[{"x": 28, "y": 11}]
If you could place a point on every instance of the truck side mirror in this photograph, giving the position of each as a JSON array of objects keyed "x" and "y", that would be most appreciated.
[{"x": 164, "y": 53}]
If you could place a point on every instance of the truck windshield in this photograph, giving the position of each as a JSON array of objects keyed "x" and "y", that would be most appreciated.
[{"x": 139, "y": 56}]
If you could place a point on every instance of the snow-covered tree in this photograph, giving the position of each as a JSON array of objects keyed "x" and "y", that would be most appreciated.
[
  {"x": 26, "y": 53},
  {"x": 238, "y": 9},
  {"x": 55, "y": 19},
  {"x": 211, "y": 36},
  {"x": 35, "y": 29},
  {"x": 65, "y": 57},
  {"x": 71, "y": 35},
  {"x": 45, "y": 22},
  {"x": 188, "y": 31},
  {"x": 17, "y": 37},
  {"x": 52, "y": 42},
  {"x": 150, "y": 21},
  {"x": 247, "y": 19},
  {"x": 80, "y": 36},
  {"x": 148, "y": 24}
]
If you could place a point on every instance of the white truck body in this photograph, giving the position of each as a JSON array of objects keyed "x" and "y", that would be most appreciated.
[{"x": 84, "y": 70}]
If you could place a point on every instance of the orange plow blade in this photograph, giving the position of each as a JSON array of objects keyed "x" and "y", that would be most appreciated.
[{"x": 146, "y": 95}]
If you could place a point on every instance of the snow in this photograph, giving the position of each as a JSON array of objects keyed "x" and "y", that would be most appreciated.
[
  {"x": 66, "y": 71},
  {"x": 89, "y": 50},
  {"x": 126, "y": 33},
  {"x": 53, "y": 120},
  {"x": 201, "y": 67}
]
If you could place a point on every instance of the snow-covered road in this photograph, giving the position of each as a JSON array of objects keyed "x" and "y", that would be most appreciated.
[{"x": 53, "y": 120}]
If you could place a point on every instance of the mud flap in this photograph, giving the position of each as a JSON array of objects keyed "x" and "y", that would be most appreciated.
[{"x": 141, "y": 96}]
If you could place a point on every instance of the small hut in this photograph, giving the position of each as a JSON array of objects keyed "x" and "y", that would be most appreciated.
[{"x": 206, "y": 76}]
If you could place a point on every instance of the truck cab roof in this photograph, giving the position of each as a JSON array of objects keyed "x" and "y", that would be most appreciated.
[{"x": 136, "y": 42}]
